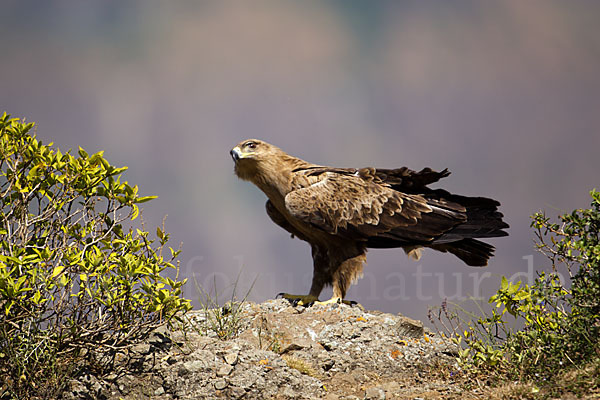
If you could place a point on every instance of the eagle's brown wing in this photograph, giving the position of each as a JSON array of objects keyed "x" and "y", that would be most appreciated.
[
  {"x": 280, "y": 220},
  {"x": 403, "y": 179},
  {"x": 359, "y": 206},
  {"x": 407, "y": 180}
]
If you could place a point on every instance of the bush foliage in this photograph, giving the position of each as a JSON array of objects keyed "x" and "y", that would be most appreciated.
[
  {"x": 560, "y": 320},
  {"x": 75, "y": 285}
]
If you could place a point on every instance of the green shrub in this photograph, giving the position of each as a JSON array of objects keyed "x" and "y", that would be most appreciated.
[
  {"x": 75, "y": 285},
  {"x": 560, "y": 320},
  {"x": 575, "y": 243}
]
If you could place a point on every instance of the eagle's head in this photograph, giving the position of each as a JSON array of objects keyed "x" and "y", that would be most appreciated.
[{"x": 252, "y": 156}]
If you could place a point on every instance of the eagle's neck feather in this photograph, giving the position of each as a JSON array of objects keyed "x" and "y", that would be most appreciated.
[{"x": 274, "y": 176}]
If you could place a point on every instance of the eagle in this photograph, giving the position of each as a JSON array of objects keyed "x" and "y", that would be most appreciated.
[{"x": 342, "y": 212}]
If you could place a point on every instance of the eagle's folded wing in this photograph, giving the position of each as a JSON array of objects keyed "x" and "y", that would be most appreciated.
[
  {"x": 407, "y": 180},
  {"x": 340, "y": 203}
]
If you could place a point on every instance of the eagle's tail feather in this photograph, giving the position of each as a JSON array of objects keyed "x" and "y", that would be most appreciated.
[
  {"x": 471, "y": 218},
  {"x": 473, "y": 252},
  {"x": 483, "y": 220}
]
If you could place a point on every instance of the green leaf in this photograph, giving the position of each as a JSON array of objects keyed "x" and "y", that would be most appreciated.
[
  {"x": 522, "y": 295},
  {"x": 96, "y": 158},
  {"x": 57, "y": 270},
  {"x": 145, "y": 199},
  {"x": 37, "y": 297},
  {"x": 135, "y": 211}
]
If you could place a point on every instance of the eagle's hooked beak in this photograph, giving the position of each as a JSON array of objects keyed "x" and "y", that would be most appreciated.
[{"x": 236, "y": 153}]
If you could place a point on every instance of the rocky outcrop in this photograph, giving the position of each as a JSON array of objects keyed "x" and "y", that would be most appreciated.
[{"x": 283, "y": 352}]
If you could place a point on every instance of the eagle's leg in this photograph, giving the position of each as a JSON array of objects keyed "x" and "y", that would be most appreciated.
[
  {"x": 347, "y": 273},
  {"x": 343, "y": 275},
  {"x": 321, "y": 277}
]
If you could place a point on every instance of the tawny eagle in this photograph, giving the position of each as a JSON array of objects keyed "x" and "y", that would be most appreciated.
[{"x": 341, "y": 212}]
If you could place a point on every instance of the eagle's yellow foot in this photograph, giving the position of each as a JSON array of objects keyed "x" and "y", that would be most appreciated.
[
  {"x": 308, "y": 300},
  {"x": 337, "y": 300},
  {"x": 299, "y": 300}
]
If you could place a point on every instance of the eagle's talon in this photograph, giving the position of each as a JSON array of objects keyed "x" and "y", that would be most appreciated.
[{"x": 299, "y": 300}]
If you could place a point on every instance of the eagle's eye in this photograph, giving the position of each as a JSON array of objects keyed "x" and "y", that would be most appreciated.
[{"x": 250, "y": 145}]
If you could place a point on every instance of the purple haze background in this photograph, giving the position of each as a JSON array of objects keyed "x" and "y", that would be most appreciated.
[{"x": 506, "y": 94}]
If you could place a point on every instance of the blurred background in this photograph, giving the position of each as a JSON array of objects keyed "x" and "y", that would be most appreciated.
[{"x": 505, "y": 94}]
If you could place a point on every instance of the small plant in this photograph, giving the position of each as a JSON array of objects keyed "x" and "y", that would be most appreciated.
[
  {"x": 226, "y": 321},
  {"x": 560, "y": 323},
  {"x": 75, "y": 286},
  {"x": 267, "y": 339},
  {"x": 300, "y": 365}
]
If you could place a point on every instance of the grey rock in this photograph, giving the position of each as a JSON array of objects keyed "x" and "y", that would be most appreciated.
[
  {"x": 194, "y": 366},
  {"x": 111, "y": 377},
  {"x": 375, "y": 393},
  {"x": 288, "y": 392},
  {"x": 231, "y": 358},
  {"x": 160, "y": 337},
  {"x": 220, "y": 384},
  {"x": 297, "y": 343},
  {"x": 332, "y": 352},
  {"x": 236, "y": 392},
  {"x": 171, "y": 360},
  {"x": 224, "y": 370},
  {"x": 410, "y": 327},
  {"x": 141, "y": 348},
  {"x": 327, "y": 363}
]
